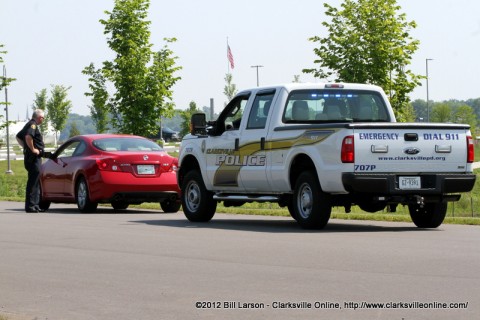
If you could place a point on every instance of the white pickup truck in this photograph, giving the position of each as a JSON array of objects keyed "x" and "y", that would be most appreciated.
[{"x": 313, "y": 146}]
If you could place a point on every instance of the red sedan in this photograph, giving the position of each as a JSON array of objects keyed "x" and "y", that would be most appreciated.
[{"x": 110, "y": 168}]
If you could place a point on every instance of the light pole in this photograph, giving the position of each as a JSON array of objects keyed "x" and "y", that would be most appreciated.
[
  {"x": 426, "y": 69},
  {"x": 257, "y": 66}
]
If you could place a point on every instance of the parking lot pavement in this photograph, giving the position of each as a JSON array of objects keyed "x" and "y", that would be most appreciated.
[{"x": 144, "y": 264}]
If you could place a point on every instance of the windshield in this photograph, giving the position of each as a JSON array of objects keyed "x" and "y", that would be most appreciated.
[
  {"x": 126, "y": 144},
  {"x": 334, "y": 106}
]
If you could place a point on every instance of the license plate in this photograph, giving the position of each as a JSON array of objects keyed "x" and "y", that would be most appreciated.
[
  {"x": 146, "y": 169},
  {"x": 406, "y": 183}
]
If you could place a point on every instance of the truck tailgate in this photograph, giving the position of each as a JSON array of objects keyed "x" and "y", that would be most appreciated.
[{"x": 410, "y": 148}]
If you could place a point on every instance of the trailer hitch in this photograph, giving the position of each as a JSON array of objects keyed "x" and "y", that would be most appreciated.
[{"x": 420, "y": 201}]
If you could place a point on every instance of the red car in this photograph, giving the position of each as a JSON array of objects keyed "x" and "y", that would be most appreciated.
[{"x": 110, "y": 168}]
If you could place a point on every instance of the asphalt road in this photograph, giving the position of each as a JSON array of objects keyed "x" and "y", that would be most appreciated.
[{"x": 148, "y": 265}]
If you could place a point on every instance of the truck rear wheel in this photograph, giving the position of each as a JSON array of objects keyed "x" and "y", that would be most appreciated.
[
  {"x": 197, "y": 201},
  {"x": 431, "y": 215},
  {"x": 311, "y": 207}
]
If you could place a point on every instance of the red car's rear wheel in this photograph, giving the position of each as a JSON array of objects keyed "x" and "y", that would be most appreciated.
[{"x": 83, "y": 199}]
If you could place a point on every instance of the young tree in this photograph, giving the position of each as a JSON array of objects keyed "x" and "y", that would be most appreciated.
[
  {"x": 230, "y": 89},
  {"x": 465, "y": 114},
  {"x": 142, "y": 78},
  {"x": 99, "y": 109},
  {"x": 58, "y": 108},
  {"x": 420, "y": 107},
  {"x": 441, "y": 112},
  {"x": 74, "y": 130},
  {"x": 40, "y": 102},
  {"x": 369, "y": 42},
  {"x": 4, "y": 83},
  {"x": 186, "y": 116}
]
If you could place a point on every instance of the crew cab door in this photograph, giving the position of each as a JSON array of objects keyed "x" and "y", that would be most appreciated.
[
  {"x": 221, "y": 148},
  {"x": 253, "y": 160}
]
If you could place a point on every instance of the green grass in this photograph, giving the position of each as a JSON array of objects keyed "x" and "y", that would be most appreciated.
[{"x": 465, "y": 211}]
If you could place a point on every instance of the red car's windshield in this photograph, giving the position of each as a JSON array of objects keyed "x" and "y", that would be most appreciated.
[{"x": 126, "y": 144}]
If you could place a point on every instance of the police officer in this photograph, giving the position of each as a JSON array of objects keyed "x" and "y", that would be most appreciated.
[{"x": 30, "y": 138}]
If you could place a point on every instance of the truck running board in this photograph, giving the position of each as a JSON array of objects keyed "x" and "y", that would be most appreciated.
[{"x": 245, "y": 198}]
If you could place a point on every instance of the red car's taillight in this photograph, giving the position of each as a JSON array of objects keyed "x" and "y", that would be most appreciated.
[
  {"x": 169, "y": 166},
  {"x": 470, "y": 150},
  {"x": 348, "y": 150},
  {"x": 107, "y": 164}
]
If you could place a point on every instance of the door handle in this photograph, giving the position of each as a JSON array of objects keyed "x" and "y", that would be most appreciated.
[{"x": 237, "y": 144}]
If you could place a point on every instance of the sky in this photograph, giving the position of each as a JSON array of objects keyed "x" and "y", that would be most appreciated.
[{"x": 49, "y": 42}]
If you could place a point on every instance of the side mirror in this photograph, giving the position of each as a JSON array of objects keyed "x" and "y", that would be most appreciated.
[{"x": 198, "y": 124}]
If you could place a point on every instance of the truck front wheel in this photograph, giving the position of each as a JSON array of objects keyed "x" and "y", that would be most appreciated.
[
  {"x": 431, "y": 215},
  {"x": 197, "y": 201},
  {"x": 311, "y": 207}
]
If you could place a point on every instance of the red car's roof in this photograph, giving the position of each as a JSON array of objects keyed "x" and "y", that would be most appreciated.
[{"x": 91, "y": 137}]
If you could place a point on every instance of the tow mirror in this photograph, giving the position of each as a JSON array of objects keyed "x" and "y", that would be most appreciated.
[{"x": 198, "y": 124}]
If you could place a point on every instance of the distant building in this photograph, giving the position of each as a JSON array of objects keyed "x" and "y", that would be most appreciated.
[{"x": 16, "y": 126}]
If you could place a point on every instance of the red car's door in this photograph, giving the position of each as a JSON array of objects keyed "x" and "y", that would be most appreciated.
[
  {"x": 73, "y": 164},
  {"x": 57, "y": 172},
  {"x": 52, "y": 181}
]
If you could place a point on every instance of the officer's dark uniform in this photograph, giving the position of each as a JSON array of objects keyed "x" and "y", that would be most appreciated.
[{"x": 32, "y": 163}]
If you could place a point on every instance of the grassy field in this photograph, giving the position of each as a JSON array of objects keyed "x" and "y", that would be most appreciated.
[{"x": 465, "y": 211}]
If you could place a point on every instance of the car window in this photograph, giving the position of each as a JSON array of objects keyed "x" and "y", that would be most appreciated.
[
  {"x": 231, "y": 116},
  {"x": 233, "y": 119},
  {"x": 68, "y": 150},
  {"x": 81, "y": 147},
  {"x": 257, "y": 119},
  {"x": 330, "y": 106},
  {"x": 126, "y": 144}
]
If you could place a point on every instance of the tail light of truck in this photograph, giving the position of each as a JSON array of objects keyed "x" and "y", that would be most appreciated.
[
  {"x": 348, "y": 150},
  {"x": 470, "y": 150}
]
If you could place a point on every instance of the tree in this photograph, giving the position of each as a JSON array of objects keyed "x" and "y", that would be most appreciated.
[
  {"x": 58, "y": 108},
  {"x": 142, "y": 78},
  {"x": 441, "y": 112},
  {"x": 84, "y": 125},
  {"x": 475, "y": 104},
  {"x": 40, "y": 102},
  {"x": 369, "y": 42},
  {"x": 420, "y": 107},
  {"x": 4, "y": 83},
  {"x": 99, "y": 110},
  {"x": 186, "y": 116},
  {"x": 230, "y": 89},
  {"x": 465, "y": 114},
  {"x": 74, "y": 130}
]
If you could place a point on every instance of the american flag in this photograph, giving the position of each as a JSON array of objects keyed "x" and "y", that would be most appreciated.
[{"x": 230, "y": 57}]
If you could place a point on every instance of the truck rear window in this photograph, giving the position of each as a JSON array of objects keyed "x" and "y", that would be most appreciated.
[{"x": 316, "y": 106}]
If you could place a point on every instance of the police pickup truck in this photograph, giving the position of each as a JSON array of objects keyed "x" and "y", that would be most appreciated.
[{"x": 313, "y": 146}]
